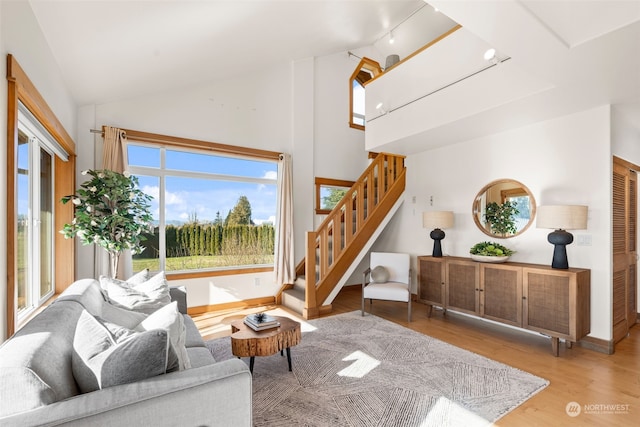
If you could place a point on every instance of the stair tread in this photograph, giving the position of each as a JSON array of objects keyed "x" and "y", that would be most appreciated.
[{"x": 295, "y": 292}]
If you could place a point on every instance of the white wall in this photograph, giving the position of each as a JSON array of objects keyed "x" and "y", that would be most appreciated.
[
  {"x": 625, "y": 137},
  {"x": 339, "y": 149},
  {"x": 566, "y": 160},
  {"x": 20, "y": 36},
  {"x": 300, "y": 108}
]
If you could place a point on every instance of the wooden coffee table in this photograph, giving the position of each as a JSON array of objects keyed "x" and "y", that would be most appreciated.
[{"x": 245, "y": 342}]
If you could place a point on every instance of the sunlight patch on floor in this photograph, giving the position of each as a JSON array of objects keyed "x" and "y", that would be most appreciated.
[
  {"x": 362, "y": 365},
  {"x": 454, "y": 414}
]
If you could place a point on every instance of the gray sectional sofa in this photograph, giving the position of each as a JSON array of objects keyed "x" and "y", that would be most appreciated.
[{"x": 37, "y": 384}]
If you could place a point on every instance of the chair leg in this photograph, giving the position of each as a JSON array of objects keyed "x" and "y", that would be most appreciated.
[
  {"x": 362, "y": 306},
  {"x": 409, "y": 309}
]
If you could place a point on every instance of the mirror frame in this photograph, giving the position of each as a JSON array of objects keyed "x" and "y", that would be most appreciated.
[{"x": 475, "y": 208}]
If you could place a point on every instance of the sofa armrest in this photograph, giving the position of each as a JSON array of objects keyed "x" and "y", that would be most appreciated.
[
  {"x": 219, "y": 394},
  {"x": 179, "y": 294}
]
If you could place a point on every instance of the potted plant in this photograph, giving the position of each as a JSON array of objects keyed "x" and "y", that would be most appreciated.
[
  {"x": 110, "y": 211},
  {"x": 501, "y": 217}
]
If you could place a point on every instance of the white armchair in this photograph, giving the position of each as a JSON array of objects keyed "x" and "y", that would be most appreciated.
[{"x": 390, "y": 275}]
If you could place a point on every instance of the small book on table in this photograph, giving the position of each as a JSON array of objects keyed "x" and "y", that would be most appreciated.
[{"x": 267, "y": 322}]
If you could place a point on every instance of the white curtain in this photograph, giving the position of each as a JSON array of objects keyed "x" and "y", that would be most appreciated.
[
  {"x": 284, "y": 262},
  {"x": 113, "y": 159}
]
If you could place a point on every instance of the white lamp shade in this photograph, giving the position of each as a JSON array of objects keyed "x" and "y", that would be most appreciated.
[
  {"x": 562, "y": 217},
  {"x": 437, "y": 219}
]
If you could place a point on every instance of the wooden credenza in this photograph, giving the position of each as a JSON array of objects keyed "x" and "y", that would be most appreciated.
[{"x": 537, "y": 297}]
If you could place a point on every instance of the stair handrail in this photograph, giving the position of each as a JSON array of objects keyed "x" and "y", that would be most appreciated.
[{"x": 367, "y": 197}]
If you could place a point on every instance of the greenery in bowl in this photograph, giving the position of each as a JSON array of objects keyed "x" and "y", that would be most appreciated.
[{"x": 490, "y": 249}]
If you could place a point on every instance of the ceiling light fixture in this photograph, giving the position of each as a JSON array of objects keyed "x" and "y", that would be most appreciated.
[
  {"x": 390, "y": 32},
  {"x": 489, "y": 54}
]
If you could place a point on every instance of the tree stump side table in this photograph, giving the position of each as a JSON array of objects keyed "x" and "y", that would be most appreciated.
[{"x": 245, "y": 342}]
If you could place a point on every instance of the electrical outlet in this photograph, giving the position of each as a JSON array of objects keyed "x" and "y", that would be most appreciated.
[
  {"x": 583, "y": 240},
  {"x": 413, "y": 199},
  {"x": 256, "y": 281}
]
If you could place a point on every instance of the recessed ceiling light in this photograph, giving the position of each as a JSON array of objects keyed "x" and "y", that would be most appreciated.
[{"x": 379, "y": 106}]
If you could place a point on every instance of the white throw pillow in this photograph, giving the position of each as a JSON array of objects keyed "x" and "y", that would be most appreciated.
[
  {"x": 121, "y": 316},
  {"x": 379, "y": 275},
  {"x": 170, "y": 319},
  {"x": 145, "y": 297},
  {"x": 140, "y": 277}
]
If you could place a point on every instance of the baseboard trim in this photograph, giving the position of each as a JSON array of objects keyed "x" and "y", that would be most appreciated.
[
  {"x": 254, "y": 302},
  {"x": 597, "y": 344},
  {"x": 325, "y": 309}
]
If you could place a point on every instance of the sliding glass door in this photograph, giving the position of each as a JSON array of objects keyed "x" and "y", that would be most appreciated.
[{"x": 35, "y": 218}]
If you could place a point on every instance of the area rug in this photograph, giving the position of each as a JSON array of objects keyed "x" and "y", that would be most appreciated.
[{"x": 351, "y": 370}]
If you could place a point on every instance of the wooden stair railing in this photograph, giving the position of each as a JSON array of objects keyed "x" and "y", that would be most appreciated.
[{"x": 334, "y": 246}]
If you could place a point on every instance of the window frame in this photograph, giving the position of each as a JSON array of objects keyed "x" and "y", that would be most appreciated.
[
  {"x": 191, "y": 145},
  {"x": 369, "y": 67},
  {"x": 326, "y": 183},
  {"x": 20, "y": 89}
]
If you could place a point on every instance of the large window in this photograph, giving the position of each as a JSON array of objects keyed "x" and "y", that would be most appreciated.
[{"x": 211, "y": 211}]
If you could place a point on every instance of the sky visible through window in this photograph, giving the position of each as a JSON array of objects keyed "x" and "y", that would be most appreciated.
[{"x": 195, "y": 195}]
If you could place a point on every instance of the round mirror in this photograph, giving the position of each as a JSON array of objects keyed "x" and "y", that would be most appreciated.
[{"x": 504, "y": 208}]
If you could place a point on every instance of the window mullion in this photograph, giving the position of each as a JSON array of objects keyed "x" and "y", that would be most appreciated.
[{"x": 162, "y": 236}]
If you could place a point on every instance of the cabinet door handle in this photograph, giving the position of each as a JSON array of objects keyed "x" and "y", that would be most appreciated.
[{"x": 524, "y": 297}]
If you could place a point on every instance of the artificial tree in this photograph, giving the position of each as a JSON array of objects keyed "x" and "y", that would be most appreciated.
[{"x": 110, "y": 211}]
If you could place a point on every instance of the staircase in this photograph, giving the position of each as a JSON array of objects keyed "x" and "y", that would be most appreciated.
[{"x": 335, "y": 249}]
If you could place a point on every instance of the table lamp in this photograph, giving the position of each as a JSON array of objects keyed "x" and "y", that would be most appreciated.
[
  {"x": 561, "y": 218},
  {"x": 437, "y": 220}
]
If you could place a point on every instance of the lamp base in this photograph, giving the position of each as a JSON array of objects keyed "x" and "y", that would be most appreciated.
[
  {"x": 437, "y": 235},
  {"x": 560, "y": 239}
]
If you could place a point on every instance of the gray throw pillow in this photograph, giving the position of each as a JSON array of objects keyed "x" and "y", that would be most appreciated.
[
  {"x": 379, "y": 275},
  {"x": 98, "y": 361}
]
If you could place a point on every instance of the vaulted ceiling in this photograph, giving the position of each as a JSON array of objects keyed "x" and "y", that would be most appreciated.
[{"x": 112, "y": 50}]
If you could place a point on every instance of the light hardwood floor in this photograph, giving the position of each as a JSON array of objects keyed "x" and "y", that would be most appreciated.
[{"x": 578, "y": 375}]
